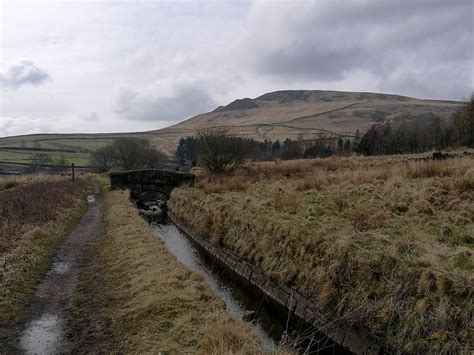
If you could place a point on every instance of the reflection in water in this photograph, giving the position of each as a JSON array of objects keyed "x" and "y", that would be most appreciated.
[
  {"x": 188, "y": 254},
  {"x": 42, "y": 335},
  {"x": 269, "y": 323}
]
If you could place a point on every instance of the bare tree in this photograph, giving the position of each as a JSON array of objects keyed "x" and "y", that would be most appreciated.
[
  {"x": 40, "y": 160},
  {"x": 127, "y": 153},
  {"x": 219, "y": 152},
  {"x": 103, "y": 158}
]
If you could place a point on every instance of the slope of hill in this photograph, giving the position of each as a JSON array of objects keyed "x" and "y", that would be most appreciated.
[
  {"x": 283, "y": 114},
  {"x": 275, "y": 115}
]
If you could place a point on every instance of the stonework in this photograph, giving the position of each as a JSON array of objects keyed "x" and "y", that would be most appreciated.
[{"x": 140, "y": 181}]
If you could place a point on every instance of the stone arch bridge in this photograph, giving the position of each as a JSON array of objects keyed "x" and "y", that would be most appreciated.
[{"x": 149, "y": 184}]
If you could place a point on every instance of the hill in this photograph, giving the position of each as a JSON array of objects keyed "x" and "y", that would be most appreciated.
[
  {"x": 275, "y": 115},
  {"x": 287, "y": 114}
]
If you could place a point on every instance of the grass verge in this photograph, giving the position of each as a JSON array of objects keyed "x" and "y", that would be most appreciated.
[{"x": 145, "y": 300}]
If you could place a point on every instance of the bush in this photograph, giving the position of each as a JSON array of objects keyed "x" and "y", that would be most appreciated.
[{"x": 220, "y": 153}]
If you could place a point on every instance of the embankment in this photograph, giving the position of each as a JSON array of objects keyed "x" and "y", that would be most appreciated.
[
  {"x": 382, "y": 245},
  {"x": 134, "y": 296}
]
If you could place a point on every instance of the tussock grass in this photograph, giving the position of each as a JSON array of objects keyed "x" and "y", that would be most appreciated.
[
  {"x": 384, "y": 243},
  {"x": 36, "y": 215},
  {"x": 153, "y": 302}
]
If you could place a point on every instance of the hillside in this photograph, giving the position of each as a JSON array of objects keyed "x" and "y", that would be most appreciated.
[
  {"x": 275, "y": 115},
  {"x": 283, "y": 114}
]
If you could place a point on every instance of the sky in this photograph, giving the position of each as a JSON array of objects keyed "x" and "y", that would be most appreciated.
[{"x": 123, "y": 65}]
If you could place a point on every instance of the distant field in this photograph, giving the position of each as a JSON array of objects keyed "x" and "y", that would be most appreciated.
[{"x": 75, "y": 148}]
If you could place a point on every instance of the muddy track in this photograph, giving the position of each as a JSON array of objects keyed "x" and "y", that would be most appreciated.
[{"x": 43, "y": 331}]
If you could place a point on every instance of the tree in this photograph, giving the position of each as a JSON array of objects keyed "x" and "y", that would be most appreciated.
[
  {"x": 41, "y": 159},
  {"x": 219, "y": 152},
  {"x": 135, "y": 153},
  {"x": 355, "y": 145},
  {"x": 127, "y": 153},
  {"x": 340, "y": 146},
  {"x": 103, "y": 158},
  {"x": 463, "y": 122},
  {"x": 187, "y": 150},
  {"x": 276, "y": 148},
  {"x": 347, "y": 147},
  {"x": 292, "y": 149},
  {"x": 181, "y": 151}
]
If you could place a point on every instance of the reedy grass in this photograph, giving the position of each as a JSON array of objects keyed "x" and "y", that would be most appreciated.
[{"x": 360, "y": 235}]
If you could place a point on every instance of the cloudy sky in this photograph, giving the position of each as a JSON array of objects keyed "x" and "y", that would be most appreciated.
[{"x": 109, "y": 66}]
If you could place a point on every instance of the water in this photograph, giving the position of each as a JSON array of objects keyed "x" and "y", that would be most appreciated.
[
  {"x": 187, "y": 253},
  {"x": 42, "y": 335},
  {"x": 270, "y": 323}
]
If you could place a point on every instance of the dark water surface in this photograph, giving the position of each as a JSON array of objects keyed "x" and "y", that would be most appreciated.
[{"x": 271, "y": 322}]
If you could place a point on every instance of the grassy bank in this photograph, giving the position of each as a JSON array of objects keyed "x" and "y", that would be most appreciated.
[
  {"x": 144, "y": 300},
  {"x": 385, "y": 244},
  {"x": 36, "y": 214}
]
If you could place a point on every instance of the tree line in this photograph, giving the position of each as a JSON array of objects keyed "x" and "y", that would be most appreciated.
[
  {"x": 189, "y": 148},
  {"x": 420, "y": 136}
]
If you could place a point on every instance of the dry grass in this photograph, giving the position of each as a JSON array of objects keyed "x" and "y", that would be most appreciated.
[
  {"x": 36, "y": 215},
  {"x": 153, "y": 302},
  {"x": 27, "y": 204},
  {"x": 360, "y": 235}
]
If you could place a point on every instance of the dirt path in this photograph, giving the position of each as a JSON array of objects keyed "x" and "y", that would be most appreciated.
[{"x": 43, "y": 332}]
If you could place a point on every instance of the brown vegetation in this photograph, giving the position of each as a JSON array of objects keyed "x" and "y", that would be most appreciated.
[
  {"x": 382, "y": 243},
  {"x": 36, "y": 214},
  {"x": 33, "y": 204},
  {"x": 150, "y": 301}
]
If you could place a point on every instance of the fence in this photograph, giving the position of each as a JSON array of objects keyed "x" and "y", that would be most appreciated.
[{"x": 14, "y": 168}]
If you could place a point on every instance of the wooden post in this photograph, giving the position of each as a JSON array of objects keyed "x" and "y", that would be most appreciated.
[{"x": 72, "y": 169}]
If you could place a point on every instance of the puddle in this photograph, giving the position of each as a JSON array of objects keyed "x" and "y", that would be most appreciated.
[
  {"x": 42, "y": 335},
  {"x": 60, "y": 267}
]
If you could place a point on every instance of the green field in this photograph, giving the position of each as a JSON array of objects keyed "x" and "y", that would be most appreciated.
[{"x": 75, "y": 148}]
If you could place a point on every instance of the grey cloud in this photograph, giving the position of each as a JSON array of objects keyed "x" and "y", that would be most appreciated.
[
  {"x": 90, "y": 117},
  {"x": 325, "y": 40},
  {"x": 149, "y": 105},
  {"x": 24, "y": 73}
]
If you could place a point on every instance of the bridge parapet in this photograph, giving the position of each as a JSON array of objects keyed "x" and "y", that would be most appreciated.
[{"x": 149, "y": 181}]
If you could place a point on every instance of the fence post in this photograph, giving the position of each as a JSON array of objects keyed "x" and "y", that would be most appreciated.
[{"x": 72, "y": 169}]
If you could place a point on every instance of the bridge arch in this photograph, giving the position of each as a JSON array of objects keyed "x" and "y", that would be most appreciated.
[{"x": 149, "y": 184}]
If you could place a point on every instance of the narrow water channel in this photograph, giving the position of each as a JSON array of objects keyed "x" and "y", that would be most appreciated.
[{"x": 270, "y": 322}]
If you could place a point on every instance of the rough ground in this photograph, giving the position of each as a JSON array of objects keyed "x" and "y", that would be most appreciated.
[{"x": 43, "y": 331}]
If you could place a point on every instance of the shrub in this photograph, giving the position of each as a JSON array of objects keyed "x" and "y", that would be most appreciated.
[{"x": 219, "y": 152}]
